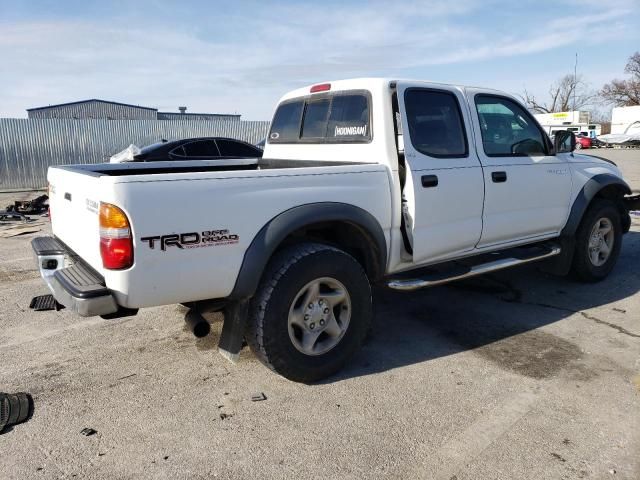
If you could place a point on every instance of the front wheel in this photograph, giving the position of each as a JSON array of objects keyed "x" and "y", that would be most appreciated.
[
  {"x": 311, "y": 312},
  {"x": 598, "y": 242}
]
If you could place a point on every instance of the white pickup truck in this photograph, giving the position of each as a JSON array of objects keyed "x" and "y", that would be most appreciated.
[{"x": 365, "y": 181}]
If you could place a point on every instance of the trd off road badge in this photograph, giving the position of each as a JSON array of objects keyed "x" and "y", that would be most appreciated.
[{"x": 208, "y": 238}]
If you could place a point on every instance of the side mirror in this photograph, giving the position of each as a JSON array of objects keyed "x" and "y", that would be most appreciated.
[{"x": 564, "y": 142}]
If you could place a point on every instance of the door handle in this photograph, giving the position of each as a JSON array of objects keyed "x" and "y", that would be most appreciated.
[
  {"x": 499, "y": 177},
  {"x": 429, "y": 181}
]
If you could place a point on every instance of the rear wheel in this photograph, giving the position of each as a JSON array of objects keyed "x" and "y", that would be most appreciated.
[
  {"x": 311, "y": 312},
  {"x": 598, "y": 241}
]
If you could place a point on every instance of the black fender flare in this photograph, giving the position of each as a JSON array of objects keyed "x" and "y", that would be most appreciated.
[
  {"x": 271, "y": 235},
  {"x": 586, "y": 194},
  {"x": 561, "y": 264}
]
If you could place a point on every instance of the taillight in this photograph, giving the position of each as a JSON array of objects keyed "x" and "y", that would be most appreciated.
[
  {"x": 116, "y": 242},
  {"x": 322, "y": 87}
]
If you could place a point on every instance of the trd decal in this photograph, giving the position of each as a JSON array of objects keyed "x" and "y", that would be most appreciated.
[{"x": 208, "y": 238}]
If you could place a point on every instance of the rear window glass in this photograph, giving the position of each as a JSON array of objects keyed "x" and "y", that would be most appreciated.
[
  {"x": 314, "y": 124},
  {"x": 286, "y": 122},
  {"x": 328, "y": 118},
  {"x": 349, "y": 117}
]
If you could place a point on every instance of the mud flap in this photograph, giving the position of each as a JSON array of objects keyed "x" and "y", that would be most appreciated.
[
  {"x": 233, "y": 328},
  {"x": 560, "y": 264}
]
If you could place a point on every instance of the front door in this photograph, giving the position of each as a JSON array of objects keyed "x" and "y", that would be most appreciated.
[
  {"x": 527, "y": 187},
  {"x": 443, "y": 190}
]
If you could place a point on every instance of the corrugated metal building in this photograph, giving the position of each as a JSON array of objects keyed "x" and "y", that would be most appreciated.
[
  {"x": 196, "y": 116},
  {"x": 94, "y": 108},
  {"x": 29, "y": 146},
  {"x": 105, "y": 109}
]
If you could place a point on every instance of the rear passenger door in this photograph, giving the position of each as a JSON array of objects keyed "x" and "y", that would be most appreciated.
[
  {"x": 443, "y": 190},
  {"x": 527, "y": 187}
]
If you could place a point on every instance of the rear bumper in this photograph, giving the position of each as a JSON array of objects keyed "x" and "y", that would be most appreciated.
[{"x": 72, "y": 282}]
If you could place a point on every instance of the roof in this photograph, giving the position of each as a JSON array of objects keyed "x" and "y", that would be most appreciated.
[
  {"x": 376, "y": 84},
  {"x": 186, "y": 114},
  {"x": 91, "y": 100}
]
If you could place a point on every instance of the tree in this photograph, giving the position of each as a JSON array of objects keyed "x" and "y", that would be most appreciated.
[
  {"x": 603, "y": 117},
  {"x": 625, "y": 93},
  {"x": 566, "y": 94}
]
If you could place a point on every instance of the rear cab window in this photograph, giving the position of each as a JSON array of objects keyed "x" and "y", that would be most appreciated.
[{"x": 340, "y": 117}]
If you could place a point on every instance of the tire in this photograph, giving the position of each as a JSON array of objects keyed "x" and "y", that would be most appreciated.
[
  {"x": 578, "y": 146},
  {"x": 584, "y": 267},
  {"x": 283, "y": 303}
]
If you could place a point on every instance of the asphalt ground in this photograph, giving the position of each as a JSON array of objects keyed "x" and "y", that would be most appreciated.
[{"x": 514, "y": 375}]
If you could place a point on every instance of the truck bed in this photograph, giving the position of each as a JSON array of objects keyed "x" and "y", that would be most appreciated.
[
  {"x": 234, "y": 196},
  {"x": 203, "y": 166}
]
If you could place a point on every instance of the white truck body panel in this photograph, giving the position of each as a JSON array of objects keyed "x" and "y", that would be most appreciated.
[
  {"x": 74, "y": 201},
  {"x": 242, "y": 202}
]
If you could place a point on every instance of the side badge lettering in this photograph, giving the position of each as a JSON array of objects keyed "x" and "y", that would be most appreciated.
[{"x": 208, "y": 238}]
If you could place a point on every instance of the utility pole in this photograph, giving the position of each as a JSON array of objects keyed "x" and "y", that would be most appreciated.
[{"x": 575, "y": 87}]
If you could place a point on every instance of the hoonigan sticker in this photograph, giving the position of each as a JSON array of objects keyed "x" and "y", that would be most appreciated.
[
  {"x": 351, "y": 131},
  {"x": 208, "y": 238}
]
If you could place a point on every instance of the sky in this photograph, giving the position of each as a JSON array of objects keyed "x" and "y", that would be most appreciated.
[{"x": 241, "y": 57}]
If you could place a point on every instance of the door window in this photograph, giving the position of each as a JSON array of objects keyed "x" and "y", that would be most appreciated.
[
  {"x": 507, "y": 129},
  {"x": 231, "y": 148},
  {"x": 201, "y": 149},
  {"x": 435, "y": 123}
]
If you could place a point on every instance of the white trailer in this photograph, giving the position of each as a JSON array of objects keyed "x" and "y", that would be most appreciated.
[
  {"x": 625, "y": 120},
  {"x": 575, "y": 121}
]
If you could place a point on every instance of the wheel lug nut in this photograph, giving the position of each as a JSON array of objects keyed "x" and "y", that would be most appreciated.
[
  {"x": 321, "y": 322},
  {"x": 326, "y": 310},
  {"x": 311, "y": 305},
  {"x": 312, "y": 326},
  {"x": 306, "y": 317}
]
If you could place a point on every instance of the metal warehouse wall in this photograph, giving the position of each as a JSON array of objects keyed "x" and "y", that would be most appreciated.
[
  {"x": 94, "y": 109},
  {"x": 29, "y": 146},
  {"x": 197, "y": 116}
]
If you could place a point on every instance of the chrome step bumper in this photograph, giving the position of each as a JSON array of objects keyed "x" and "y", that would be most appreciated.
[
  {"x": 78, "y": 287},
  {"x": 441, "y": 278}
]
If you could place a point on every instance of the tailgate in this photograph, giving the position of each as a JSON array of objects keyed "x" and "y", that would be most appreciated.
[{"x": 74, "y": 200}]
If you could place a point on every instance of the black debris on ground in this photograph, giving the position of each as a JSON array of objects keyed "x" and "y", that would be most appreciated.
[
  {"x": 45, "y": 302},
  {"x": 87, "y": 432},
  {"x": 31, "y": 207},
  {"x": 258, "y": 397}
]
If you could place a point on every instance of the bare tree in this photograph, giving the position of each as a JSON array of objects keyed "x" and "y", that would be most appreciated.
[
  {"x": 566, "y": 94},
  {"x": 625, "y": 93},
  {"x": 603, "y": 117}
]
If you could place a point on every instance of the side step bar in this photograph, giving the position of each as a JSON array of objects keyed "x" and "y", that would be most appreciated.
[{"x": 440, "y": 278}]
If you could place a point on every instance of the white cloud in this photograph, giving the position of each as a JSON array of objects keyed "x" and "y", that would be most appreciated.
[{"x": 165, "y": 64}]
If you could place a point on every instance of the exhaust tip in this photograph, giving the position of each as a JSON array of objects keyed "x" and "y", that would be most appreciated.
[{"x": 197, "y": 324}]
